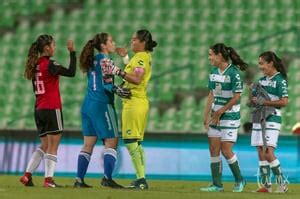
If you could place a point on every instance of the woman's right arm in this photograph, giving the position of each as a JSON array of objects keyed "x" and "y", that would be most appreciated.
[
  {"x": 57, "y": 69},
  {"x": 207, "y": 110}
]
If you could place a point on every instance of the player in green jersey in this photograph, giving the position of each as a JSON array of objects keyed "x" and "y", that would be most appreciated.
[{"x": 222, "y": 113}]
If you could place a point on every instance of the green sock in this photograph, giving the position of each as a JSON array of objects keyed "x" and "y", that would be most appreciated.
[
  {"x": 264, "y": 170},
  {"x": 276, "y": 170},
  {"x": 137, "y": 159},
  {"x": 216, "y": 171},
  {"x": 142, "y": 156},
  {"x": 235, "y": 168}
]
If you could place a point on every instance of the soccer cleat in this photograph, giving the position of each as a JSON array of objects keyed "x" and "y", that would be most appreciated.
[
  {"x": 140, "y": 184},
  {"x": 282, "y": 188},
  {"x": 239, "y": 186},
  {"x": 110, "y": 183},
  {"x": 212, "y": 188},
  {"x": 81, "y": 184},
  {"x": 49, "y": 182},
  {"x": 26, "y": 180}
]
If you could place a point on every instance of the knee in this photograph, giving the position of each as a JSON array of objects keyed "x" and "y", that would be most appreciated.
[
  {"x": 269, "y": 155},
  {"x": 227, "y": 153},
  {"x": 44, "y": 147},
  {"x": 111, "y": 143},
  {"x": 214, "y": 150},
  {"x": 88, "y": 147}
]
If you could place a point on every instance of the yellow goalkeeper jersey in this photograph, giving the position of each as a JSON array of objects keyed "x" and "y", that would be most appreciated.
[{"x": 141, "y": 60}]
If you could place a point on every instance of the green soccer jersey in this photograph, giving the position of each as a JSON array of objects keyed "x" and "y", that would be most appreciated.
[
  {"x": 224, "y": 85},
  {"x": 277, "y": 88}
]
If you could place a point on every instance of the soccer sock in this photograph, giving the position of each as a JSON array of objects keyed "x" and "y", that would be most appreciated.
[
  {"x": 82, "y": 164},
  {"x": 276, "y": 170},
  {"x": 35, "y": 160},
  {"x": 142, "y": 152},
  {"x": 235, "y": 168},
  {"x": 264, "y": 169},
  {"x": 216, "y": 170},
  {"x": 110, "y": 157},
  {"x": 50, "y": 163},
  {"x": 136, "y": 158}
]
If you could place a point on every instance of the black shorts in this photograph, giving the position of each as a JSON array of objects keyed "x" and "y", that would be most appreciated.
[{"x": 48, "y": 121}]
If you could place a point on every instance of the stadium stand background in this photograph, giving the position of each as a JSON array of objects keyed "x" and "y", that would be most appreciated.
[{"x": 184, "y": 31}]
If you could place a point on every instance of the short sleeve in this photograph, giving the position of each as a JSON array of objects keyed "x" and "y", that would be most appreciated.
[
  {"x": 210, "y": 83},
  {"x": 282, "y": 88},
  {"x": 237, "y": 84}
]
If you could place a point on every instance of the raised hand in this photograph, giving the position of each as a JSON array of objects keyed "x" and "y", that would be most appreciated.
[
  {"x": 121, "y": 51},
  {"x": 70, "y": 45}
]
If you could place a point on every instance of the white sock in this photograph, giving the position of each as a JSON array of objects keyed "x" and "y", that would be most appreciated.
[
  {"x": 35, "y": 160},
  {"x": 50, "y": 163}
]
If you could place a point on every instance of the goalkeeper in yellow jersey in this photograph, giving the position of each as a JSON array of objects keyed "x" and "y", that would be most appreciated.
[{"x": 136, "y": 75}]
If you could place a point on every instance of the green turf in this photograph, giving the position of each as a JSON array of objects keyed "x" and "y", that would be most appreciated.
[{"x": 11, "y": 188}]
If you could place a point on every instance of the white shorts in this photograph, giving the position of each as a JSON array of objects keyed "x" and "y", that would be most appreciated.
[
  {"x": 226, "y": 135},
  {"x": 271, "y": 138},
  {"x": 272, "y": 133}
]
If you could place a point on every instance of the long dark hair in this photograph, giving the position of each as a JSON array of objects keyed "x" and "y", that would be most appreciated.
[
  {"x": 145, "y": 35},
  {"x": 270, "y": 56},
  {"x": 87, "y": 54},
  {"x": 33, "y": 54},
  {"x": 229, "y": 53}
]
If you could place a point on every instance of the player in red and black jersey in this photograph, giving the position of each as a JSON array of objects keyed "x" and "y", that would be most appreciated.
[{"x": 44, "y": 74}]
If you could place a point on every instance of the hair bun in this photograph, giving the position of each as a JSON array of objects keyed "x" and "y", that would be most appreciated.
[{"x": 153, "y": 44}]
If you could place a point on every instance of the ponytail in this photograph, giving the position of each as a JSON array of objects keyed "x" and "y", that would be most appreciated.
[
  {"x": 236, "y": 59},
  {"x": 87, "y": 54},
  {"x": 32, "y": 59},
  {"x": 33, "y": 54},
  {"x": 229, "y": 53},
  {"x": 270, "y": 56}
]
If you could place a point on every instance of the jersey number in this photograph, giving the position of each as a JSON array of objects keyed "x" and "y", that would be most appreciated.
[
  {"x": 94, "y": 80},
  {"x": 39, "y": 84}
]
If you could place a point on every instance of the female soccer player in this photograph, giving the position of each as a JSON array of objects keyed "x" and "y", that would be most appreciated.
[
  {"x": 222, "y": 113},
  {"x": 44, "y": 74},
  {"x": 274, "y": 82},
  {"x": 99, "y": 120},
  {"x": 136, "y": 75}
]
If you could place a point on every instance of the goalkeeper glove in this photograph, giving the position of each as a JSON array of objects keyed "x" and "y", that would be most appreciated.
[
  {"x": 122, "y": 92},
  {"x": 115, "y": 70}
]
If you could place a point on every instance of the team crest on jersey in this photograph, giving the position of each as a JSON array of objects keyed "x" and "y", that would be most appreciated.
[{"x": 128, "y": 131}]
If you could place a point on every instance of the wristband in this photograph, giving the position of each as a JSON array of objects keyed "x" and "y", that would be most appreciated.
[
  {"x": 122, "y": 74},
  {"x": 126, "y": 59}
]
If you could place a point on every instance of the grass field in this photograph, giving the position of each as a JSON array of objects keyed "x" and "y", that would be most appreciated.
[{"x": 11, "y": 188}]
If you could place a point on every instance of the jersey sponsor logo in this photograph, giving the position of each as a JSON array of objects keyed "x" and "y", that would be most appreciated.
[
  {"x": 219, "y": 78},
  {"x": 268, "y": 83}
]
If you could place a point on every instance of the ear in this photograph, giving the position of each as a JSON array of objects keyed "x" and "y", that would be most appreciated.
[
  {"x": 102, "y": 46},
  {"x": 46, "y": 48}
]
